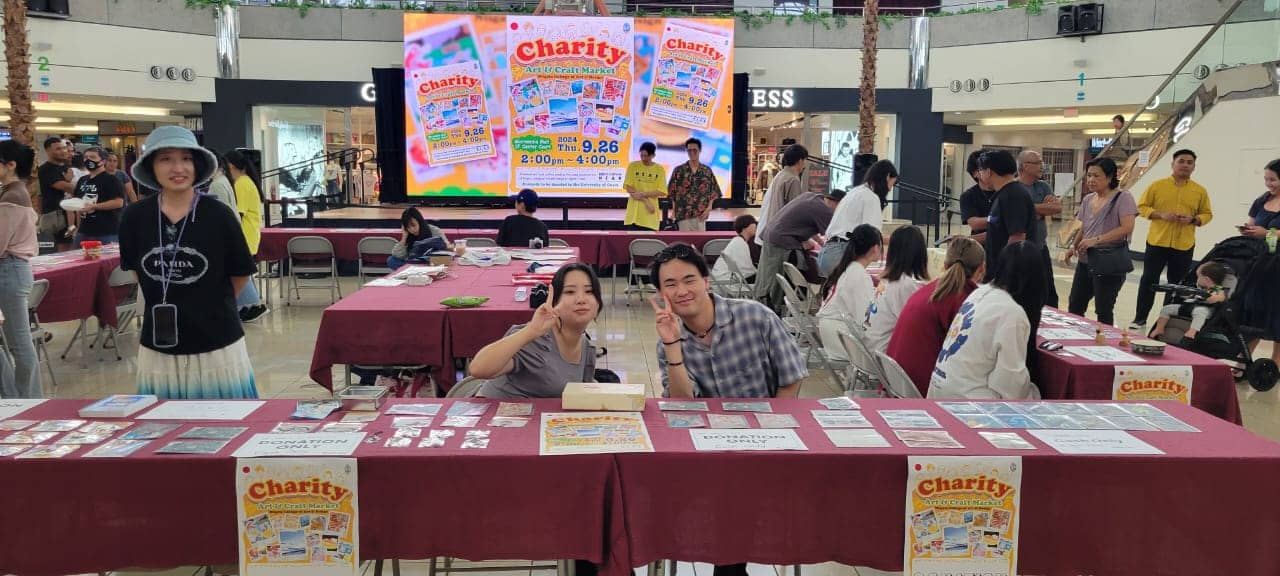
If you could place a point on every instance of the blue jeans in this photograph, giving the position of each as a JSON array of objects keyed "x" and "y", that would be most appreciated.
[
  {"x": 829, "y": 257},
  {"x": 395, "y": 263},
  {"x": 108, "y": 239},
  {"x": 248, "y": 296},
  {"x": 15, "y": 287}
]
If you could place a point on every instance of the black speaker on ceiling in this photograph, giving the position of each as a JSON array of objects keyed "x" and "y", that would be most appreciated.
[
  {"x": 1089, "y": 18},
  {"x": 1067, "y": 20}
]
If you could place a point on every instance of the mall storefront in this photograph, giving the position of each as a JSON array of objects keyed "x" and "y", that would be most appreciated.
[
  {"x": 825, "y": 120},
  {"x": 296, "y": 125}
]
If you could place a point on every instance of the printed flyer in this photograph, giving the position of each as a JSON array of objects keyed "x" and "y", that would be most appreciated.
[
  {"x": 1144, "y": 383},
  {"x": 298, "y": 516},
  {"x": 962, "y": 515},
  {"x": 691, "y": 67},
  {"x": 568, "y": 102},
  {"x": 451, "y": 109},
  {"x": 593, "y": 433}
]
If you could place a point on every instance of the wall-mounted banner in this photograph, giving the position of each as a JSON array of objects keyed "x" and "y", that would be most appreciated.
[
  {"x": 962, "y": 515},
  {"x": 298, "y": 516}
]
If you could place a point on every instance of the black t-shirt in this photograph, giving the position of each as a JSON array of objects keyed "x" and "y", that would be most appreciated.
[
  {"x": 100, "y": 222},
  {"x": 975, "y": 203},
  {"x": 1012, "y": 212},
  {"x": 50, "y": 174},
  {"x": 212, "y": 250},
  {"x": 517, "y": 230}
]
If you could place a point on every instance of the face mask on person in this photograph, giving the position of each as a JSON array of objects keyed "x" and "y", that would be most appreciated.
[{"x": 92, "y": 165}]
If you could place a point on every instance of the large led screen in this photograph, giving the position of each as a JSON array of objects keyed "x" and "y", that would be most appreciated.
[{"x": 560, "y": 104}]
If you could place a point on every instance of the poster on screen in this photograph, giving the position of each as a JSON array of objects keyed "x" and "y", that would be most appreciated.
[
  {"x": 962, "y": 515},
  {"x": 1144, "y": 383},
  {"x": 298, "y": 516}
]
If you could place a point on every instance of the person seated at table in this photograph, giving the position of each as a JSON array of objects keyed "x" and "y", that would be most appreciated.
[
  {"x": 537, "y": 359},
  {"x": 906, "y": 267},
  {"x": 711, "y": 346},
  {"x": 986, "y": 350},
  {"x": 926, "y": 317},
  {"x": 191, "y": 260},
  {"x": 849, "y": 291},
  {"x": 1209, "y": 277},
  {"x": 413, "y": 228},
  {"x": 742, "y": 250},
  {"x": 520, "y": 228}
]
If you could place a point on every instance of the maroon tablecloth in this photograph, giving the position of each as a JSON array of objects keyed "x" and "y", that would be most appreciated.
[
  {"x": 275, "y": 241},
  {"x": 78, "y": 288},
  {"x": 408, "y": 325},
  {"x": 1080, "y": 514},
  {"x": 1072, "y": 377},
  {"x": 615, "y": 245},
  {"x": 75, "y": 515}
]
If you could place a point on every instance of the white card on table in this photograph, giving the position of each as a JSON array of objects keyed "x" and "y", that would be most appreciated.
[
  {"x": 203, "y": 410},
  {"x": 1094, "y": 442},
  {"x": 856, "y": 438}
]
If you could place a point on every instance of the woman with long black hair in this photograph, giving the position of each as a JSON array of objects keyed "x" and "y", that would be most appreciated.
[
  {"x": 1106, "y": 218},
  {"x": 986, "y": 350},
  {"x": 849, "y": 290},
  {"x": 906, "y": 268},
  {"x": 864, "y": 204},
  {"x": 243, "y": 174}
]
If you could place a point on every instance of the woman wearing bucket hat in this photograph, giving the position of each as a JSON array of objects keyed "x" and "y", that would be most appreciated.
[{"x": 191, "y": 260}]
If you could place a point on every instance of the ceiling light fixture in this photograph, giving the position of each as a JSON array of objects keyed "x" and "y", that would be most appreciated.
[
  {"x": 39, "y": 119},
  {"x": 95, "y": 109},
  {"x": 74, "y": 129},
  {"x": 1109, "y": 132},
  {"x": 1056, "y": 120}
]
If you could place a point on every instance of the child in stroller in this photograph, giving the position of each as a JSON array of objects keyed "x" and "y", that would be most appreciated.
[{"x": 1208, "y": 291}]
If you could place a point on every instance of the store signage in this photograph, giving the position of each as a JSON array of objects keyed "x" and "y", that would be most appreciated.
[
  {"x": 368, "y": 93},
  {"x": 772, "y": 98}
]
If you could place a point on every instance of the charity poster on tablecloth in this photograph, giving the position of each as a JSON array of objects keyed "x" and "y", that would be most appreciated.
[
  {"x": 592, "y": 433},
  {"x": 963, "y": 515},
  {"x": 568, "y": 97},
  {"x": 692, "y": 64},
  {"x": 298, "y": 516},
  {"x": 452, "y": 113},
  {"x": 1142, "y": 383}
]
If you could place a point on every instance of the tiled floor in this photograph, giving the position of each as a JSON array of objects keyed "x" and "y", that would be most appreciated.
[{"x": 281, "y": 345}]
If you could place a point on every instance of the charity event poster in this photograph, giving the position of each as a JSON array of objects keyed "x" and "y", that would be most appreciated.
[
  {"x": 690, "y": 75},
  {"x": 297, "y": 516},
  {"x": 565, "y": 100},
  {"x": 592, "y": 433},
  {"x": 1143, "y": 383},
  {"x": 454, "y": 119},
  {"x": 962, "y": 515}
]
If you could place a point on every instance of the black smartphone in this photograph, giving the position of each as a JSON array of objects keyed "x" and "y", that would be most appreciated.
[{"x": 164, "y": 325}]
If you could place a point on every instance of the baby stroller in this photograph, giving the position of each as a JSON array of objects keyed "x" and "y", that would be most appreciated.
[{"x": 1223, "y": 336}]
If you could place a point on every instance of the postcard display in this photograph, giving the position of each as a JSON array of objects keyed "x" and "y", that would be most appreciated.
[
  {"x": 297, "y": 516},
  {"x": 963, "y": 515}
]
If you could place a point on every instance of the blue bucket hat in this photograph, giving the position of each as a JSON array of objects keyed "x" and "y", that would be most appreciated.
[{"x": 206, "y": 163}]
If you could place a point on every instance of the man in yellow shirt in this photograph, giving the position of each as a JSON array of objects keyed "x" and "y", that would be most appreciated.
[
  {"x": 645, "y": 183},
  {"x": 1176, "y": 206}
]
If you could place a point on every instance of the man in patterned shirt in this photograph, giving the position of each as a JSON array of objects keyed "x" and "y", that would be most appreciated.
[
  {"x": 711, "y": 346},
  {"x": 693, "y": 190}
]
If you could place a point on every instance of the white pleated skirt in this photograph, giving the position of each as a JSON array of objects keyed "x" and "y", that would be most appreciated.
[{"x": 220, "y": 374}]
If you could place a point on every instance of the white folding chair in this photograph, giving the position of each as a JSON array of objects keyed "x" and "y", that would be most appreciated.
[
  {"x": 480, "y": 242},
  {"x": 645, "y": 248},
  {"x": 807, "y": 334},
  {"x": 557, "y": 243},
  {"x": 40, "y": 289},
  {"x": 896, "y": 381},
  {"x": 124, "y": 287},
  {"x": 380, "y": 248},
  {"x": 313, "y": 256},
  {"x": 801, "y": 284},
  {"x": 713, "y": 249},
  {"x": 865, "y": 375},
  {"x": 738, "y": 284}
]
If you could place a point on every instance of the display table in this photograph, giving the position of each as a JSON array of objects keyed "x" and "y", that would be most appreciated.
[
  {"x": 407, "y": 325},
  {"x": 1062, "y": 376},
  {"x": 78, "y": 288},
  {"x": 1116, "y": 514}
]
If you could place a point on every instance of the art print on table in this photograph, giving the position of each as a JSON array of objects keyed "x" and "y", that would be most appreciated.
[
  {"x": 728, "y": 421},
  {"x": 776, "y": 420},
  {"x": 297, "y": 516},
  {"x": 962, "y": 514},
  {"x": 675, "y": 420},
  {"x": 592, "y": 433}
]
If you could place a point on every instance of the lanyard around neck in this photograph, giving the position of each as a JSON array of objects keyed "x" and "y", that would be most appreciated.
[{"x": 166, "y": 269}]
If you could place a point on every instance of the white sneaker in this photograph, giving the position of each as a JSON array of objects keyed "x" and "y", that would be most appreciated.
[{"x": 1136, "y": 327}]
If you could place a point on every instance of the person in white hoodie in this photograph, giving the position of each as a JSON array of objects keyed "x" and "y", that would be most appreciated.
[
  {"x": 863, "y": 204},
  {"x": 849, "y": 290},
  {"x": 906, "y": 268},
  {"x": 985, "y": 353}
]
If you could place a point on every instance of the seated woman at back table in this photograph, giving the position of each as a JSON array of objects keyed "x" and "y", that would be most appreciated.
[
  {"x": 906, "y": 267},
  {"x": 985, "y": 353},
  {"x": 413, "y": 227},
  {"x": 925, "y": 319},
  {"x": 537, "y": 359},
  {"x": 849, "y": 290},
  {"x": 742, "y": 250}
]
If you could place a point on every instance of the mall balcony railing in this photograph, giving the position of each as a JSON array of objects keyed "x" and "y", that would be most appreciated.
[
  {"x": 350, "y": 160},
  {"x": 847, "y": 8},
  {"x": 915, "y": 200},
  {"x": 1247, "y": 35}
]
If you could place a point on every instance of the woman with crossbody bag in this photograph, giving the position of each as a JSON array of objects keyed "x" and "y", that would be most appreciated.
[{"x": 1106, "y": 218}]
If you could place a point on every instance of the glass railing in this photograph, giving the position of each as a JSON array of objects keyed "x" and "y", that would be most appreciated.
[{"x": 1247, "y": 34}]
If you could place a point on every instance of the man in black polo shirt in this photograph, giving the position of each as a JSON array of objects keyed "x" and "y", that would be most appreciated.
[
  {"x": 975, "y": 203},
  {"x": 55, "y": 185},
  {"x": 1013, "y": 214},
  {"x": 100, "y": 218}
]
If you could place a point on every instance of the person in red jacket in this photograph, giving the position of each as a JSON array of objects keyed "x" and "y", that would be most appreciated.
[{"x": 924, "y": 321}]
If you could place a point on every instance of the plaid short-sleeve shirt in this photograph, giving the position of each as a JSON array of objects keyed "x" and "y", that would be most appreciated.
[{"x": 751, "y": 354}]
